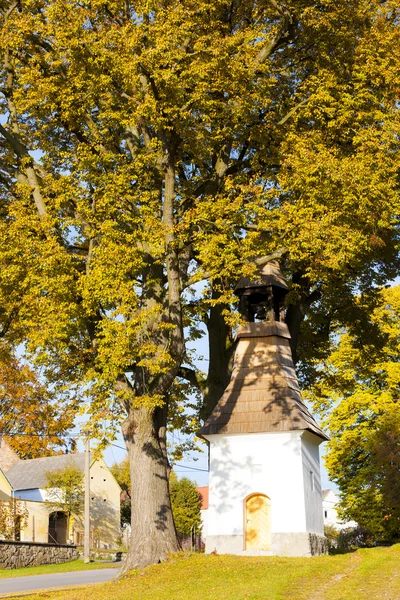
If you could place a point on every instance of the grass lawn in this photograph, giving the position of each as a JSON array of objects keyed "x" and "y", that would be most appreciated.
[
  {"x": 371, "y": 574},
  {"x": 75, "y": 565}
]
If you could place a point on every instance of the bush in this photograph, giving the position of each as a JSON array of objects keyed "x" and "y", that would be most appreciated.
[{"x": 347, "y": 540}]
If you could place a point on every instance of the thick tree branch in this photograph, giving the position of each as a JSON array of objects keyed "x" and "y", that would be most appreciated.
[
  {"x": 283, "y": 33},
  {"x": 193, "y": 377},
  {"x": 292, "y": 111},
  {"x": 259, "y": 262}
]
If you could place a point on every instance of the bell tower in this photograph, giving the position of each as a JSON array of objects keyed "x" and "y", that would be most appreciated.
[
  {"x": 264, "y": 298},
  {"x": 265, "y": 484}
]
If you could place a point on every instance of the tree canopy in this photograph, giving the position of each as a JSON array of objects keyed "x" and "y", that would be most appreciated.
[
  {"x": 34, "y": 420},
  {"x": 149, "y": 146},
  {"x": 357, "y": 393}
]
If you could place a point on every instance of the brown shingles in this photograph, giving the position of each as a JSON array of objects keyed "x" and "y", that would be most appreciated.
[{"x": 263, "y": 394}]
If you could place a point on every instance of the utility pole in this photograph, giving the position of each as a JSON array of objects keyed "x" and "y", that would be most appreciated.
[{"x": 86, "y": 541}]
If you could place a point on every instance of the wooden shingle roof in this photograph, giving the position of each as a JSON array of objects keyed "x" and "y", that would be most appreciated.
[
  {"x": 263, "y": 394},
  {"x": 269, "y": 274}
]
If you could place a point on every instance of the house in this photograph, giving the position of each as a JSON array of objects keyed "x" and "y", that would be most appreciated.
[
  {"x": 27, "y": 481},
  {"x": 329, "y": 505},
  {"x": 265, "y": 482}
]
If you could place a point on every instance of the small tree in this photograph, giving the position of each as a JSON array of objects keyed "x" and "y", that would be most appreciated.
[
  {"x": 186, "y": 503},
  {"x": 12, "y": 513},
  {"x": 121, "y": 472},
  {"x": 65, "y": 491}
]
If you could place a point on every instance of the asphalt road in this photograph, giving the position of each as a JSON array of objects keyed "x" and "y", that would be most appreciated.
[{"x": 58, "y": 580}]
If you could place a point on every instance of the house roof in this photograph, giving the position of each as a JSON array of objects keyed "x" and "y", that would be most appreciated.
[
  {"x": 31, "y": 473},
  {"x": 203, "y": 491},
  {"x": 263, "y": 394}
]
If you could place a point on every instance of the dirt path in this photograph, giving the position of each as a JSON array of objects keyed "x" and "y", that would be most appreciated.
[{"x": 321, "y": 593}]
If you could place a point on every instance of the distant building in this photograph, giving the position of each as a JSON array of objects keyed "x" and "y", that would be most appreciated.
[
  {"x": 25, "y": 480},
  {"x": 265, "y": 482},
  {"x": 329, "y": 506}
]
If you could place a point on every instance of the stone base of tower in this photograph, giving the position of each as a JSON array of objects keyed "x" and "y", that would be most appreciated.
[{"x": 282, "y": 544}]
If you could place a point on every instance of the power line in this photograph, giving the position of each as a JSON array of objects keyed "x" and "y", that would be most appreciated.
[
  {"x": 192, "y": 468},
  {"x": 69, "y": 436},
  {"x": 120, "y": 447}
]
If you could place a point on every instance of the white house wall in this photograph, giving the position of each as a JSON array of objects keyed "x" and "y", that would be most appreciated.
[
  {"x": 204, "y": 523},
  {"x": 267, "y": 463},
  {"x": 312, "y": 483},
  {"x": 331, "y": 518}
]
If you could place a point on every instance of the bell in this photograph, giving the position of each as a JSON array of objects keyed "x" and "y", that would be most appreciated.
[{"x": 263, "y": 297}]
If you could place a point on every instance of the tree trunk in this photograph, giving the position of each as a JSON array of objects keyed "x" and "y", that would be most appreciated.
[
  {"x": 153, "y": 530},
  {"x": 221, "y": 349}
]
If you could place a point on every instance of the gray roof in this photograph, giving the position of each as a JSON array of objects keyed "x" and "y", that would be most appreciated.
[
  {"x": 325, "y": 493},
  {"x": 31, "y": 474}
]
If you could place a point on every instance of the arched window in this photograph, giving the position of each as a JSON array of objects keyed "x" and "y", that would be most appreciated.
[{"x": 58, "y": 523}]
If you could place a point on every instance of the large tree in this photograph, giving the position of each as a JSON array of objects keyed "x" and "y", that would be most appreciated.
[{"x": 152, "y": 145}]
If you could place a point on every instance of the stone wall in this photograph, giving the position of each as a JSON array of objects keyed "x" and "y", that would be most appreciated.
[
  {"x": 318, "y": 544},
  {"x": 14, "y": 555}
]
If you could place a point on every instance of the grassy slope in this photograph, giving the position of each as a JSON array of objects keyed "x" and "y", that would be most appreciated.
[
  {"x": 75, "y": 565},
  {"x": 371, "y": 574}
]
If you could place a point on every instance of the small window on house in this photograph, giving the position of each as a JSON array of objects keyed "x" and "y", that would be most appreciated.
[
  {"x": 312, "y": 481},
  {"x": 325, "y": 514}
]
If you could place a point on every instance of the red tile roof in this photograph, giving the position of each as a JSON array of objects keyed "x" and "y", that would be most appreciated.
[{"x": 203, "y": 491}]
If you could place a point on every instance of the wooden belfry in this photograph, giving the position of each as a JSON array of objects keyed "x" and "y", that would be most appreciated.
[
  {"x": 263, "y": 394},
  {"x": 263, "y": 440}
]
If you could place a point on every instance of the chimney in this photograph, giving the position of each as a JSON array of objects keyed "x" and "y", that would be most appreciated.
[{"x": 8, "y": 458}]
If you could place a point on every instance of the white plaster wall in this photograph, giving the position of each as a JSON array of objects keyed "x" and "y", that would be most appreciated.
[
  {"x": 312, "y": 483},
  {"x": 37, "y": 527},
  {"x": 204, "y": 523},
  {"x": 268, "y": 463},
  {"x": 330, "y": 513}
]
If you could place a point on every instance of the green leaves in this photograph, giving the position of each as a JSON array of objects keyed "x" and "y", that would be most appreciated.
[
  {"x": 357, "y": 394},
  {"x": 186, "y": 503}
]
